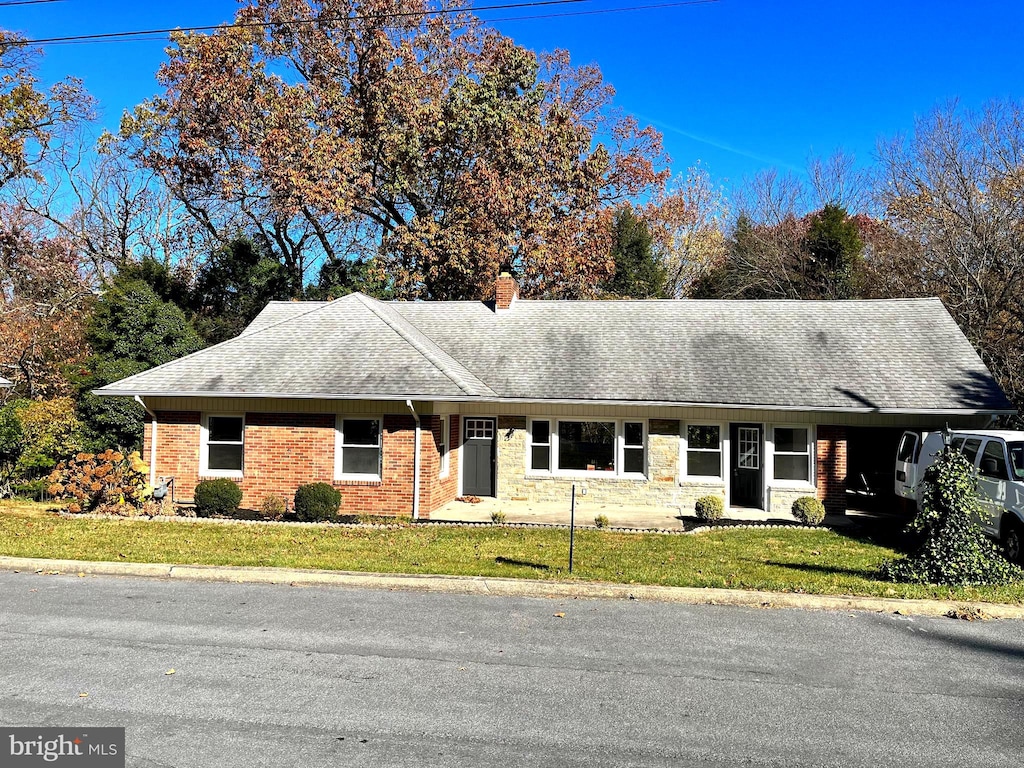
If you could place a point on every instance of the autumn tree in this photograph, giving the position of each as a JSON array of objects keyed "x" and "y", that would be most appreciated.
[
  {"x": 32, "y": 120},
  {"x": 34, "y": 436},
  {"x": 43, "y": 306},
  {"x": 399, "y": 133},
  {"x": 686, "y": 222},
  {"x": 954, "y": 188},
  {"x": 43, "y": 295}
]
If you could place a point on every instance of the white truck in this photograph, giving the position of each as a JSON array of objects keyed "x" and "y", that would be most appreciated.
[{"x": 998, "y": 457}]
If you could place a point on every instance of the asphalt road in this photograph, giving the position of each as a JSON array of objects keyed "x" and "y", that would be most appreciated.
[{"x": 285, "y": 676}]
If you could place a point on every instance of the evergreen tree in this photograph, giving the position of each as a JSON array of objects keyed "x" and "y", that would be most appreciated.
[
  {"x": 234, "y": 286},
  {"x": 834, "y": 248},
  {"x": 639, "y": 273},
  {"x": 131, "y": 329},
  {"x": 340, "y": 278}
]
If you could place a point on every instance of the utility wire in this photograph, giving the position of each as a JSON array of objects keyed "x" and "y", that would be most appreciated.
[
  {"x": 155, "y": 34},
  {"x": 27, "y": 2}
]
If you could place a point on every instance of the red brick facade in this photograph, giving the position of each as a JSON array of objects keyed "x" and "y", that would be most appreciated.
[
  {"x": 831, "y": 468},
  {"x": 285, "y": 450}
]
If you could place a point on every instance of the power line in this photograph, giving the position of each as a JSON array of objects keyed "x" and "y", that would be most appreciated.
[
  {"x": 600, "y": 11},
  {"x": 157, "y": 34},
  {"x": 292, "y": 22},
  {"x": 27, "y": 2}
]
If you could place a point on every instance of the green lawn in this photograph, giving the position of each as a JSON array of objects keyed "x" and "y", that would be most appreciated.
[{"x": 814, "y": 561}]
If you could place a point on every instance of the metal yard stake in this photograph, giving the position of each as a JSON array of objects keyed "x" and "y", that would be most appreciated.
[{"x": 572, "y": 524}]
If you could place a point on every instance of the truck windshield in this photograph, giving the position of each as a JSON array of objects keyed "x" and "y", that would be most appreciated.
[{"x": 1016, "y": 451}]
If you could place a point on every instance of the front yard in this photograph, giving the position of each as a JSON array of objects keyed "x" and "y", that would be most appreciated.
[{"x": 778, "y": 559}]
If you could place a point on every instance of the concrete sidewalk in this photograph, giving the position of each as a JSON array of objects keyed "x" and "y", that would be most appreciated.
[
  {"x": 513, "y": 587},
  {"x": 619, "y": 516}
]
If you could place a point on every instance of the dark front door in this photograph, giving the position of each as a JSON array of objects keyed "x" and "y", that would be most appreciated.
[
  {"x": 747, "y": 443},
  {"x": 478, "y": 458}
]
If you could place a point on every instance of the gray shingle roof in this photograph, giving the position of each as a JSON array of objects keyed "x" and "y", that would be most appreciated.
[
  {"x": 899, "y": 355},
  {"x": 352, "y": 347}
]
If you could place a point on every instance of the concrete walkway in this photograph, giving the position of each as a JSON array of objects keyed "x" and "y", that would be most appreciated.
[{"x": 644, "y": 517}]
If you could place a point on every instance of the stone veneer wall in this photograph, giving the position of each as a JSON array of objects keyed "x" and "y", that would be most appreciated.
[
  {"x": 660, "y": 488},
  {"x": 780, "y": 500}
]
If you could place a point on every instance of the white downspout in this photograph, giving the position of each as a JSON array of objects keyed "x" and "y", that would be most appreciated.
[
  {"x": 152, "y": 448},
  {"x": 415, "y": 465}
]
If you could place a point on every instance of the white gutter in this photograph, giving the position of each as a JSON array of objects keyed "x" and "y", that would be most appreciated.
[
  {"x": 565, "y": 401},
  {"x": 152, "y": 449},
  {"x": 415, "y": 465}
]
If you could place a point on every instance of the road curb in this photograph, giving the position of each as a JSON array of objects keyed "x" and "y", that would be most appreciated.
[{"x": 483, "y": 585}]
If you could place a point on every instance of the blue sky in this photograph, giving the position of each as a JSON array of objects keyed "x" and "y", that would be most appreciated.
[{"x": 739, "y": 85}]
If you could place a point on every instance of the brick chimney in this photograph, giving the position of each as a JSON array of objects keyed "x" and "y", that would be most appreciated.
[{"x": 506, "y": 291}]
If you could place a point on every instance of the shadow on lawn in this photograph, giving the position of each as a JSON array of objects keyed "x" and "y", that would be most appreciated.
[
  {"x": 522, "y": 563},
  {"x": 864, "y": 573}
]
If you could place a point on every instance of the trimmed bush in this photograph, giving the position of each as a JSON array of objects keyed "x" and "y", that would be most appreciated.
[
  {"x": 272, "y": 506},
  {"x": 710, "y": 508},
  {"x": 317, "y": 501},
  {"x": 217, "y": 497},
  {"x": 808, "y": 510},
  {"x": 601, "y": 521}
]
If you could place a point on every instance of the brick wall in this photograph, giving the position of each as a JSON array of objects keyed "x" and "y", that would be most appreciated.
[
  {"x": 177, "y": 449},
  {"x": 438, "y": 490},
  {"x": 286, "y": 450},
  {"x": 831, "y": 468}
]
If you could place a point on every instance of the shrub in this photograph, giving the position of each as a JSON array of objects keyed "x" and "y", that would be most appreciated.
[
  {"x": 808, "y": 510},
  {"x": 272, "y": 506},
  {"x": 317, "y": 501},
  {"x": 953, "y": 550},
  {"x": 33, "y": 489},
  {"x": 217, "y": 497},
  {"x": 34, "y": 436},
  {"x": 710, "y": 508},
  {"x": 92, "y": 480},
  {"x": 498, "y": 516},
  {"x": 601, "y": 521}
]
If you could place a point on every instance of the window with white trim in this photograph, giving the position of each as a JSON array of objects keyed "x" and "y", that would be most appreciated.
[
  {"x": 540, "y": 445},
  {"x": 223, "y": 450},
  {"x": 443, "y": 447},
  {"x": 586, "y": 446},
  {"x": 704, "y": 450},
  {"x": 633, "y": 447},
  {"x": 358, "y": 451},
  {"x": 792, "y": 453},
  {"x": 617, "y": 448}
]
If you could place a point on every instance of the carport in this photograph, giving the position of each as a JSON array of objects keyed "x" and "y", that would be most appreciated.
[{"x": 870, "y": 457}]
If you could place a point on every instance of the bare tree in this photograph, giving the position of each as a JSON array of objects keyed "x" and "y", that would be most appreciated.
[{"x": 955, "y": 189}]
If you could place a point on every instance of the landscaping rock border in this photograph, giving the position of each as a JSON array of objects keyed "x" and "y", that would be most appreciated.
[{"x": 727, "y": 526}]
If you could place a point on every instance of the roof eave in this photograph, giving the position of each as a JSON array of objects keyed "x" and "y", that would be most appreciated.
[{"x": 401, "y": 397}]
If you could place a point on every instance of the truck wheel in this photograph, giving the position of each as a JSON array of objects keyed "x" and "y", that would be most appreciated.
[{"x": 1013, "y": 540}]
